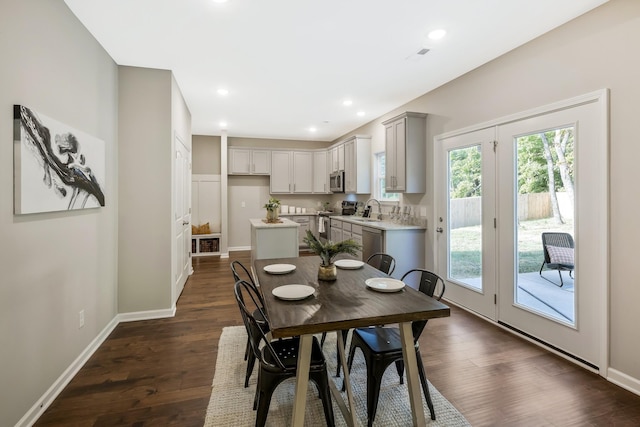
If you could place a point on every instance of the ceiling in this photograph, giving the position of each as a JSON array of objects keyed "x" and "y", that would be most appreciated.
[{"x": 288, "y": 65}]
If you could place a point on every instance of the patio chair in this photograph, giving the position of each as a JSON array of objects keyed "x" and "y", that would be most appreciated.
[{"x": 558, "y": 254}]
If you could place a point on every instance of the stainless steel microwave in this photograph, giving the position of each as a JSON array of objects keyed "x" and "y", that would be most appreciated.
[{"x": 336, "y": 182}]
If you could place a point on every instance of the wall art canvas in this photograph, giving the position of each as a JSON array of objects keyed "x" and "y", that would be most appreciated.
[{"x": 56, "y": 167}]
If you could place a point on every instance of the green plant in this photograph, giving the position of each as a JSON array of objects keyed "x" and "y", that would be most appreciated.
[
  {"x": 327, "y": 251},
  {"x": 273, "y": 204}
]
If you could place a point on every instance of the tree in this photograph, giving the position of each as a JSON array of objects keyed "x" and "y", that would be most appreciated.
[
  {"x": 465, "y": 168},
  {"x": 552, "y": 180}
]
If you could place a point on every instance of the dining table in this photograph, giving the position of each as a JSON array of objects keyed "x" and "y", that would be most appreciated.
[{"x": 345, "y": 303}]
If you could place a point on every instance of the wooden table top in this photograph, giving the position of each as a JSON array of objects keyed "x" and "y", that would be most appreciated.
[{"x": 343, "y": 304}]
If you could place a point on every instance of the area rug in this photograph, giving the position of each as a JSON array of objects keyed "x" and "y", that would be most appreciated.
[{"x": 231, "y": 404}]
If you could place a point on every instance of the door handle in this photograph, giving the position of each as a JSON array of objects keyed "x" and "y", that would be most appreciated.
[
  {"x": 439, "y": 230},
  {"x": 185, "y": 222}
]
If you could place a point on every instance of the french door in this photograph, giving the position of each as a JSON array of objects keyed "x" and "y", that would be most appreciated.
[
  {"x": 465, "y": 225},
  {"x": 499, "y": 189}
]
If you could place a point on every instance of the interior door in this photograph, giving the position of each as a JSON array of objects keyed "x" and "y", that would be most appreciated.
[
  {"x": 465, "y": 220},
  {"x": 182, "y": 218},
  {"x": 568, "y": 315}
]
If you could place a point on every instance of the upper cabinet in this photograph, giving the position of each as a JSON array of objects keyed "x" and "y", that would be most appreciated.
[
  {"x": 357, "y": 165},
  {"x": 291, "y": 171},
  {"x": 320, "y": 172},
  {"x": 405, "y": 153},
  {"x": 336, "y": 158},
  {"x": 246, "y": 161}
]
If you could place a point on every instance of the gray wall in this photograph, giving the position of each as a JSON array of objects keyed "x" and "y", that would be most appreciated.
[
  {"x": 592, "y": 52},
  {"x": 54, "y": 264}
]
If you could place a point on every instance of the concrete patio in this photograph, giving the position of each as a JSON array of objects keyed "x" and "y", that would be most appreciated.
[{"x": 541, "y": 295}]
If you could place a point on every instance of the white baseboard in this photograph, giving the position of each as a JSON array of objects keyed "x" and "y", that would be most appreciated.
[
  {"x": 239, "y": 248},
  {"x": 147, "y": 315},
  {"x": 56, "y": 388},
  {"x": 623, "y": 380}
]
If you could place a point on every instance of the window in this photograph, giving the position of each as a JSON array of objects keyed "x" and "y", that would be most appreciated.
[{"x": 378, "y": 179}]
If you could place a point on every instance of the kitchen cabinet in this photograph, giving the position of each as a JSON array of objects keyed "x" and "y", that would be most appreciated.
[
  {"x": 246, "y": 161},
  {"x": 320, "y": 172},
  {"x": 306, "y": 222},
  {"x": 405, "y": 153},
  {"x": 336, "y": 154},
  {"x": 357, "y": 165},
  {"x": 292, "y": 172},
  {"x": 336, "y": 230}
]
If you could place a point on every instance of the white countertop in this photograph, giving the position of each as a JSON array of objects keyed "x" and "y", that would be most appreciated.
[
  {"x": 286, "y": 223},
  {"x": 380, "y": 225}
]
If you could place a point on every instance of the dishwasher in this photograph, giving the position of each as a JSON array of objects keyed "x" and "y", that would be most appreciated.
[
  {"x": 305, "y": 224},
  {"x": 372, "y": 242}
]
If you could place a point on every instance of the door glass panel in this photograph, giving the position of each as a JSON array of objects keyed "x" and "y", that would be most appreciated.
[
  {"x": 545, "y": 204},
  {"x": 465, "y": 216}
]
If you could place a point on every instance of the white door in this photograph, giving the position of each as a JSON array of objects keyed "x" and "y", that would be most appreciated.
[
  {"x": 465, "y": 214},
  {"x": 182, "y": 218},
  {"x": 562, "y": 308}
]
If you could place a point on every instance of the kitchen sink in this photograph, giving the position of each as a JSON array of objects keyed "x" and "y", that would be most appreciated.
[{"x": 366, "y": 219}]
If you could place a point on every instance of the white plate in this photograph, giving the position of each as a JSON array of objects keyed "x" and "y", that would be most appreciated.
[
  {"x": 293, "y": 292},
  {"x": 349, "y": 264},
  {"x": 384, "y": 284},
  {"x": 279, "y": 268}
]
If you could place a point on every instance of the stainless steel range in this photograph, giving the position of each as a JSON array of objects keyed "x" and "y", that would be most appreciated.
[{"x": 324, "y": 218}]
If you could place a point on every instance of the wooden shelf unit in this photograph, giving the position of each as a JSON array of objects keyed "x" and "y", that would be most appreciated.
[{"x": 205, "y": 244}]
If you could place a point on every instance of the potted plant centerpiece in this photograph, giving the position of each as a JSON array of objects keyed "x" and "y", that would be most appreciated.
[
  {"x": 328, "y": 251},
  {"x": 272, "y": 207}
]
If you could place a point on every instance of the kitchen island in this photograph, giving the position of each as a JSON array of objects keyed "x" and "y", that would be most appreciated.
[{"x": 274, "y": 240}]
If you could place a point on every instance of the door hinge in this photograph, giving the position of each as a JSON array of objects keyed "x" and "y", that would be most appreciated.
[
  {"x": 495, "y": 223},
  {"x": 495, "y": 299},
  {"x": 495, "y": 144}
]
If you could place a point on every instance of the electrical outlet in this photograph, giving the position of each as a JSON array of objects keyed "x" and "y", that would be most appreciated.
[
  {"x": 81, "y": 319},
  {"x": 243, "y": 205}
]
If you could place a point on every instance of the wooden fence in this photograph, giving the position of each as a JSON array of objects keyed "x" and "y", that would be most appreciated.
[{"x": 466, "y": 212}]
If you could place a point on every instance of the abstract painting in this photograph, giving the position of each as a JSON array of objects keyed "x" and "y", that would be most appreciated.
[{"x": 56, "y": 167}]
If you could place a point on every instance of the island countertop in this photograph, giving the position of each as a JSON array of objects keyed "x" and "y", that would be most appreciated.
[{"x": 286, "y": 223}]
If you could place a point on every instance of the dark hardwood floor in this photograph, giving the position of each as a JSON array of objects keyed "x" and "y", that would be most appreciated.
[{"x": 159, "y": 372}]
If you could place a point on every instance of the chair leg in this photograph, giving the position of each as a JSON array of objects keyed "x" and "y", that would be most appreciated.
[
  {"x": 247, "y": 349},
  {"x": 560, "y": 274},
  {"x": 352, "y": 352},
  {"x": 541, "y": 267},
  {"x": 322, "y": 383},
  {"x": 251, "y": 361},
  {"x": 400, "y": 369},
  {"x": 374, "y": 379},
  {"x": 324, "y": 337}
]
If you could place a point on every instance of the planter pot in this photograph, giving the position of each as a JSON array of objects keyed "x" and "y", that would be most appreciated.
[
  {"x": 327, "y": 273},
  {"x": 272, "y": 216}
]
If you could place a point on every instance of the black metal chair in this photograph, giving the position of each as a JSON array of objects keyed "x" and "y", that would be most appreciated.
[
  {"x": 382, "y": 346},
  {"x": 558, "y": 254},
  {"x": 383, "y": 262},
  {"x": 240, "y": 272},
  {"x": 278, "y": 359}
]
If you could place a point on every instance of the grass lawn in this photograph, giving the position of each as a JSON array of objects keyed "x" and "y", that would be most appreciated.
[{"x": 466, "y": 243}]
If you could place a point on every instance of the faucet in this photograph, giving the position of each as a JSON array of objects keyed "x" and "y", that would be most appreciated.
[{"x": 379, "y": 207}]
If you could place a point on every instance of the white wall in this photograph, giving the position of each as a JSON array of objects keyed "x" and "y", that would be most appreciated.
[
  {"x": 54, "y": 264},
  {"x": 592, "y": 52}
]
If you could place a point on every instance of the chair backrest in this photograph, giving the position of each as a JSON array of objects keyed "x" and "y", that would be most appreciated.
[
  {"x": 562, "y": 240},
  {"x": 383, "y": 262},
  {"x": 430, "y": 284},
  {"x": 249, "y": 301},
  {"x": 240, "y": 272}
]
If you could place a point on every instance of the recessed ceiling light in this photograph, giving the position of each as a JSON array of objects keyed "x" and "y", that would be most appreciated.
[
  {"x": 223, "y": 92},
  {"x": 223, "y": 125},
  {"x": 360, "y": 113},
  {"x": 437, "y": 34},
  {"x": 347, "y": 102},
  {"x": 312, "y": 129}
]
